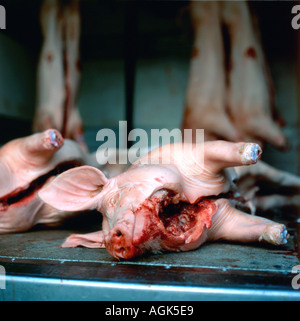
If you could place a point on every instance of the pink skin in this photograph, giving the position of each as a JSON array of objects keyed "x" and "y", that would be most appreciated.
[
  {"x": 22, "y": 162},
  {"x": 250, "y": 94},
  {"x": 242, "y": 108},
  {"x": 206, "y": 90},
  {"x": 248, "y": 177},
  {"x": 135, "y": 204},
  {"x": 59, "y": 71}
]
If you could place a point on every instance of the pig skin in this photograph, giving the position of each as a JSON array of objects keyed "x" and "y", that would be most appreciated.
[
  {"x": 135, "y": 204},
  {"x": 59, "y": 71},
  {"x": 23, "y": 162},
  {"x": 234, "y": 103},
  {"x": 250, "y": 89},
  {"x": 25, "y": 165},
  {"x": 206, "y": 90},
  {"x": 247, "y": 179}
]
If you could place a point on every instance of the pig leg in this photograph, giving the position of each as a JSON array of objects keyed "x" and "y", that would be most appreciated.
[
  {"x": 265, "y": 203},
  {"x": 72, "y": 127},
  {"x": 233, "y": 225},
  {"x": 50, "y": 84},
  {"x": 249, "y": 177},
  {"x": 221, "y": 154},
  {"x": 24, "y": 160},
  {"x": 201, "y": 165},
  {"x": 249, "y": 94},
  {"x": 269, "y": 173},
  {"x": 59, "y": 71},
  {"x": 38, "y": 149},
  {"x": 205, "y": 100}
]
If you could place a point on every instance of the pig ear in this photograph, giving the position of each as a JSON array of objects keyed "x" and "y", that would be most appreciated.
[
  {"x": 93, "y": 240},
  {"x": 74, "y": 190}
]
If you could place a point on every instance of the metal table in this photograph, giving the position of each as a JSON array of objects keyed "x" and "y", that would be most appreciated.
[{"x": 38, "y": 269}]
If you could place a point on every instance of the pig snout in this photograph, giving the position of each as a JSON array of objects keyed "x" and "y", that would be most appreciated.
[{"x": 119, "y": 243}]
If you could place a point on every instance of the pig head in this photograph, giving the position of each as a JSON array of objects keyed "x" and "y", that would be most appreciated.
[
  {"x": 161, "y": 207},
  {"x": 26, "y": 164},
  {"x": 132, "y": 206}
]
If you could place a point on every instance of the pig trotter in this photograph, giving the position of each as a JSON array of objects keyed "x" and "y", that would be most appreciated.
[
  {"x": 275, "y": 234},
  {"x": 52, "y": 139},
  {"x": 251, "y": 153}
]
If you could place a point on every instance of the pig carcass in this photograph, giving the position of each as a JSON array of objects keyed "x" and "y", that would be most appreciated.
[
  {"x": 234, "y": 102},
  {"x": 59, "y": 71},
  {"x": 206, "y": 90},
  {"x": 175, "y": 206},
  {"x": 250, "y": 94},
  {"x": 26, "y": 164}
]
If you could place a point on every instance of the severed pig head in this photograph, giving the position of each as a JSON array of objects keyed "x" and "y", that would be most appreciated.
[
  {"x": 26, "y": 164},
  {"x": 164, "y": 207}
]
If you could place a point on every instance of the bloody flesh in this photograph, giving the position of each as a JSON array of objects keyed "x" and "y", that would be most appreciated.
[
  {"x": 251, "y": 53},
  {"x": 169, "y": 222},
  {"x": 22, "y": 196},
  {"x": 162, "y": 223}
]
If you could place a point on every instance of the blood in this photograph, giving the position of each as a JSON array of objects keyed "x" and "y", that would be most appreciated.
[
  {"x": 285, "y": 253},
  {"x": 165, "y": 224},
  {"x": 195, "y": 52},
  {"x": 24, "y": 201},
  {"x": 166, "y": 221},
  {"x": 178, "y": 218},
  {"x": 160, "y": 224},
  {"x": 49, "y": 57},
  {"x": 66, "y": 109},
  {"x": 22, "y": 196},
  {"x": 4, "y": 204},
  {"x": 251, "y": 53},
  {"x": 149, "y": 210},
  {"x": 124, "y": 250}
]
